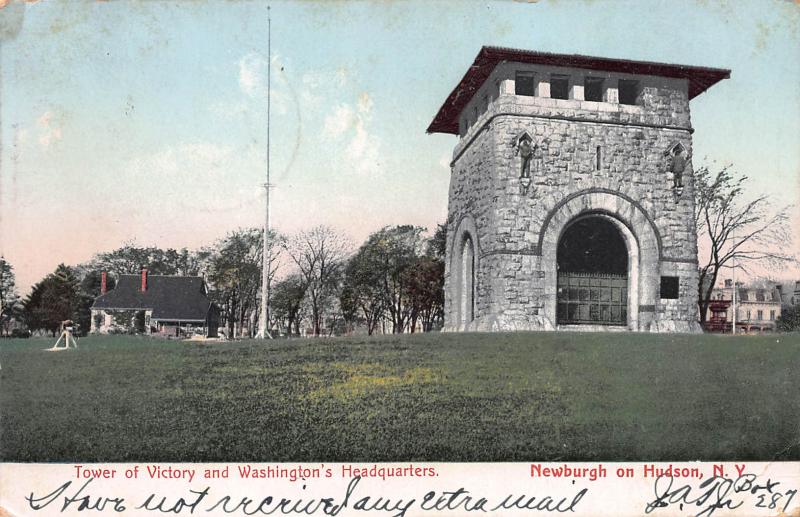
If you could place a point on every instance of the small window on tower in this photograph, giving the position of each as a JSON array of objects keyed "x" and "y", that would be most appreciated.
[
  {"x": 524, "y": 84},
  {"x": 669, "y": 287},
  {"x": 559, "y": 86},
  {"x": 593, "y": 89},
  {"x": 628, "y": 91}
]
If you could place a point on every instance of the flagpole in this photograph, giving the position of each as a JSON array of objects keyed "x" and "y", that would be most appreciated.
[
  {"x": 263, "y": 324},
  {"x": 733, "y": 298}
]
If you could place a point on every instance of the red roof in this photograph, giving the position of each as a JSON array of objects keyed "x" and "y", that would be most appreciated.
[{"x": 446, "y": 120}]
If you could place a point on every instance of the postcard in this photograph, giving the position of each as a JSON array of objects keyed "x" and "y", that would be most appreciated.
[{"x": 399, "y": 258}]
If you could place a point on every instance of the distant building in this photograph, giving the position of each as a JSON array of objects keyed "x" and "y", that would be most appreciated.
[
  {"x": 757, "y": 309},
  {"x": 789, "y": 296},
  {"x": 171, "y": 306}
]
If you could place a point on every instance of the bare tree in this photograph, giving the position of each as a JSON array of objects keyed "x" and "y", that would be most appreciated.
[
  {"x": 319, "y": 254},
  {"x": 733, "y": 226}
]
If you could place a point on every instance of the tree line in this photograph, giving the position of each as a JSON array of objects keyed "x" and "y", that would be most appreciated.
[
  {"x": 393, "y": 282},
  {"x": 320, "y": 284}
]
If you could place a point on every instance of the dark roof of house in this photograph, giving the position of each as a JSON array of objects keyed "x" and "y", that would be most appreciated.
[
  {"x": 169, "y": 297},
  {"x": 446, "y": 120},
  {"x": 747, "y": 294}
]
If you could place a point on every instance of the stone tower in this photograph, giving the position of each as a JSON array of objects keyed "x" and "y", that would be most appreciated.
[{"x": 571, "y": 195}]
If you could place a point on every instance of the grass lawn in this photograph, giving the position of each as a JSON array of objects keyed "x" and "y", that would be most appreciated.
[{"x": 442, "y": 397}]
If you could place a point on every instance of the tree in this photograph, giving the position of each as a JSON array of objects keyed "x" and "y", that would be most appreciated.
[
  {"x": 9, "y": 298},
  {"x": 364, "y": 286},
  {"x": 54, "y": 299},
  {"x": 437, "y": 244},
  {"x": 426, "y": 290},
  {"x": 399, "y": 248},
  {"x": 732, "y": 226},
  {"x": 287, "y": 301},
  {"x": 390, "y": 276},
  {"x": 380, "y": 276},
  {"x": 433, "y": 294},
  {"x": 790, "y": 319},
  {"x": 349, "y": 308},
  {"x": 234, "y": 274},
  {"x": 131, "y": 259},
  {"x": 319, "y": 255}
]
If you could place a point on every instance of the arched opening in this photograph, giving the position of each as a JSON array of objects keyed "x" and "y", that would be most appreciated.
[
  {"x": 467, "y": 281},
  {"x": 593, "y": 269}
]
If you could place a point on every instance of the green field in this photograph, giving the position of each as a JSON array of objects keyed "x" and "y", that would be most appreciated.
[{"x": 443, "y": 397}]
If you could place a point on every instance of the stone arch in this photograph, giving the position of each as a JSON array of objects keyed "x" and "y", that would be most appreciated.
[
  {"x": 631, "y": 256},
  {"x": 464, "y": 264},
  {"x": 641, "y": 238},
  {"x": 604, "y": 202}
]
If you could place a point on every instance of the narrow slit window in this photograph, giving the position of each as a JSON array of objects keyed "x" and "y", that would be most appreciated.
[
  {"x": 524, "y": 84},
  {"x": 628, "y": 91},
  {"x": 467, "y": 280},
  {"x": 593, "y": 89},
  {"x": 559, "y": 87},
  {"x": 598, "y": 158}
]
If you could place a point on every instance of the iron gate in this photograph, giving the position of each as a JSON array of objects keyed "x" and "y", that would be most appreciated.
[{"x": 592, "y": 298}]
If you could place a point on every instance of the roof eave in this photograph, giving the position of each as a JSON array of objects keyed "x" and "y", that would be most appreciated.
[{"x": 700, "y": 79}]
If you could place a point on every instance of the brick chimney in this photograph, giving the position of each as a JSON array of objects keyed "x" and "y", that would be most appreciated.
[
  {"x": 103, "y": 282},
  {"x": 144, "y": 280}
]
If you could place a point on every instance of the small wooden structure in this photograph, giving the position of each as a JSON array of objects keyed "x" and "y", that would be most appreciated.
[{"x": 67, "y": 327}]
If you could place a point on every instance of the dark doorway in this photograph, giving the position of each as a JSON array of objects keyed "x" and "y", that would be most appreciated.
[{"x": 592, "y": 274}]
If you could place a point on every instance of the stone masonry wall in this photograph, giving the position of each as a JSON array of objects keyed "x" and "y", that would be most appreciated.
[{"x": 509, "y": 218}]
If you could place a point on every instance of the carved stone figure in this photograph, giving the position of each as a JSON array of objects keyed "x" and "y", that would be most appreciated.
[
  {"x": 525, "y": 150},
  {"x": 677, "y": 167}
]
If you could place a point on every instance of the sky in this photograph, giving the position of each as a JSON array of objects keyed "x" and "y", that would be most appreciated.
[{"x": 146, "y": 122}]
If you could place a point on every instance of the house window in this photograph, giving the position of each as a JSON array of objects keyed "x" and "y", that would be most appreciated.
[
  {"x": 669, "y": 287},
  {"x": 759, "y": 315},
  {"x": 593, "y": 89},
  {"x": 628, "y": 91},
  {"x": 748, "y": 315},
  {"x": 772, "y": 315},
  {"x": 559, "y": 86},
  {"x": 524, "y": 84}
]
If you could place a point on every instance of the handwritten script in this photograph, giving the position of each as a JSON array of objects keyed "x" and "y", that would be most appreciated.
[
  {"x": 78, "y": 497},
  {"x": 720, "y": 492}
]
